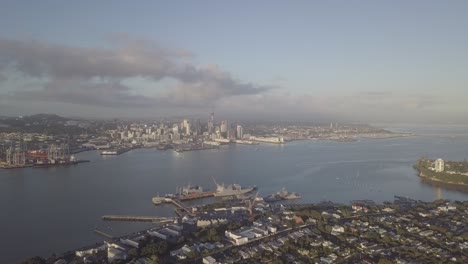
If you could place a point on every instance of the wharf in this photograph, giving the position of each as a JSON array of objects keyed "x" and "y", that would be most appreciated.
[
  {"x": 15, "y": 166},
  {"x": 196, "y": 196},
  {"x": 99, "y": 232},
  {"x": 117, "y": 151},
  {"x": 195, "y": 148},
  {"x": 178, "y": 203},
  {"x": 137, "y": 218},
  {"x": 47, "y": 165}
]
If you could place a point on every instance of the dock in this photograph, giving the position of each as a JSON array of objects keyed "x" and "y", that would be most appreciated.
[
  {"x": 196, "y": 196},
  {"x": 137, "y": 218},
  {"x": 99, "y": 232}
]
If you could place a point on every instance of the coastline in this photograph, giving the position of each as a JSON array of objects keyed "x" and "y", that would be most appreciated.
[{"x": 459, "y": 184}]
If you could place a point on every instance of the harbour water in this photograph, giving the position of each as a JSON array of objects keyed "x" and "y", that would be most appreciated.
[{"x": 56, "y": 209}]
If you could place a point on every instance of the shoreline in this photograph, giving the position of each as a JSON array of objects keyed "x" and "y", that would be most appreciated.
[{"x": 453, "y": 184}]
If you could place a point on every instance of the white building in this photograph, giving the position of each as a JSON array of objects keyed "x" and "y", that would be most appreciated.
[
  {"x": 224, "y": 126},
  {"x": 240, "y": 132},
  {"x": 236, "y": 239},
  {"x": 439, "y": 165},
  {"x": 209, "y": 260}
]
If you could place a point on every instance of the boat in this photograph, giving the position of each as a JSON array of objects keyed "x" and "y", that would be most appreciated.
[
  {"x": 285, "y": 195},
  {"x": 157, "y": 200},
  {"x": 116, "y": 151},
  {"x": 53, "y": 162},
  {"x": 190, "y": 192},
  {"x": 231, "y": 190},
  {"x": 292, "y": 196},
  {"x": 109, "y": 152},
  {"x": 272, "y": 198}
]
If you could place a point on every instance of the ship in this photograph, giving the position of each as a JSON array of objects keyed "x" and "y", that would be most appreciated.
[
  {"x": 157, "y": 200},
  {"x": 190, "y": 192},
  {"x": 285, "y": 195},
  {"x": 116, "y": 151},
  {"x": 272, "y": 198},
  {"x": 231, "y": 190},
  {"x": 57, "y": 162}
]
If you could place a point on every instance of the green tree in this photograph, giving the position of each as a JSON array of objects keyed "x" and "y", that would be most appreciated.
[
  {"x": 34, "y": 260},
  {"x": 154, "y": 259},
  {"x": 384, "y": 261},
  {"x": 133, "y": 252}
]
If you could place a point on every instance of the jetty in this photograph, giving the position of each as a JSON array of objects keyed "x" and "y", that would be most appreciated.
[{"x": 137, "y": 218}]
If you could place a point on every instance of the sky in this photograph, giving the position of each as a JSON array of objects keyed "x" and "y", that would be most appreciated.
[{"x": 354, "y": 61}]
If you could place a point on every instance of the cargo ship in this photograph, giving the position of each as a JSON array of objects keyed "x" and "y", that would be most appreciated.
[{"x": 190, "y": 192}]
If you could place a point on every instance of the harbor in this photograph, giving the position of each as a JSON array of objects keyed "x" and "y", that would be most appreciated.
[{"x": 19, "y": 156}]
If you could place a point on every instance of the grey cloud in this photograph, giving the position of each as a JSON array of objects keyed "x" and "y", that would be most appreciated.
[
  {"x": 352, "y": 107},
  {"x": 108, "y": 94},
  {"x": 72, "y": 72}
]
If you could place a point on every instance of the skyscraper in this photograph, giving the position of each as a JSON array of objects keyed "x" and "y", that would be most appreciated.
[
  {"x": 211, "y": 123},
  {"x": 224, "y": 126},
  {"x": 240, "y": 132}
]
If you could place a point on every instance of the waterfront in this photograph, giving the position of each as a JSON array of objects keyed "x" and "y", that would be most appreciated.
[{"x": 57, "y": 209}]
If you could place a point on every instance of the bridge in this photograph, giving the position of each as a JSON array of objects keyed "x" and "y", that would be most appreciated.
[{"x": 181, "y": 206}]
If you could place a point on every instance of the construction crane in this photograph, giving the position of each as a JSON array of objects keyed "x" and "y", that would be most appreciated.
[{"x": 250, "y": 206}]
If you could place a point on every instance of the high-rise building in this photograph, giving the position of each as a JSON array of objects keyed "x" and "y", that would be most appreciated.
[
  {"x": 187, "y": 129},
  {"x": 198, "y": 128},
  {"x": 223, "y": 129},
  {"x": 239, "y": 132},
  {"x": 211, "y": 123},
  {"x": 224, "y": 126},
  {"x": 439, "y": 165}
]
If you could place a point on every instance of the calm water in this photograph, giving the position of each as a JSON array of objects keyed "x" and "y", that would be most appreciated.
[{"x": 56, "y": 209}]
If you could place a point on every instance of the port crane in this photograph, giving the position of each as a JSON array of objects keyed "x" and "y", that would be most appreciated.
[{"x": 250, "y": 206}]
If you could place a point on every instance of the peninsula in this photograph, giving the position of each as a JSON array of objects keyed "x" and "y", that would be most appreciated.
[{"x": 451, "y": 172}]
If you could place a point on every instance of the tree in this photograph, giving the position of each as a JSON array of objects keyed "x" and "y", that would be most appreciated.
[
  {"x": 150, "y": 249},
  {"x": 133, "y": 252},
  {"x": 34, "y": 260},
  {"x": 384, "y": 261},
  {"x": 154, "y": 259}
]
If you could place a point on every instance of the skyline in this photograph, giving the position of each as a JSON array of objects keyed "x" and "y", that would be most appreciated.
[{"x": 355, "y": 62}]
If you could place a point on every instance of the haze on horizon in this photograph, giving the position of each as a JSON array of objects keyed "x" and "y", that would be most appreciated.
[{"x": 357, "y": 61}]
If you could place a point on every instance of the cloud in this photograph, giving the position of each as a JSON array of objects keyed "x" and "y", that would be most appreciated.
[
  {"x": 94, "y": 76},
  {"x": 107, "y": 94},
  {"x": 356, "y": 107}
]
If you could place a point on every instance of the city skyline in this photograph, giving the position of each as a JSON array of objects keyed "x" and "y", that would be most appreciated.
[{"x": 347, "y": 62}]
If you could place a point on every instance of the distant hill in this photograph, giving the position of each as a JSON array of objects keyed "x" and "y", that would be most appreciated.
[{"x": 51, "y": 117}]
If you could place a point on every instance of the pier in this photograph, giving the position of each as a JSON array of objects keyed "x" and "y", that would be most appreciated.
[
  {"x": 181, "y": 206},
  {"x": 137, "y": 218},
  {"x": 99, "y": 232}
]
